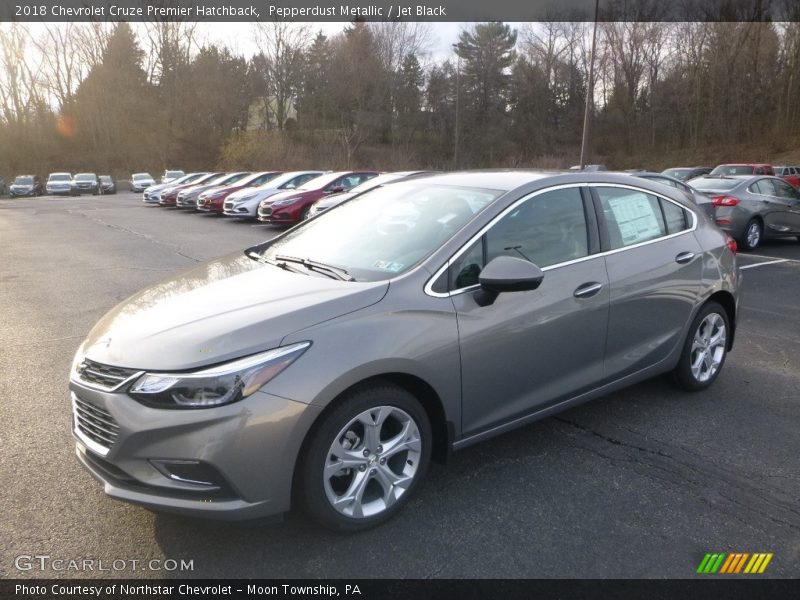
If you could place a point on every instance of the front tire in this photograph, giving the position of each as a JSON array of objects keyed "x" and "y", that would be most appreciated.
[
  {"x": 752, "y": 236},
  {"x": 366, "y": 458},
  {"x": 704, "y": 350}
]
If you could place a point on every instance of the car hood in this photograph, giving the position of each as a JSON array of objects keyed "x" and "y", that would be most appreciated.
[
  {"x": 199, "y": 189},
  {"x": 220, "y": 311},
  {"x": 252, "y": 191},
  {"x": 156, "y": 188},
  {"x": 334, "y": 199},
  {"x": 298, "y": 193}
]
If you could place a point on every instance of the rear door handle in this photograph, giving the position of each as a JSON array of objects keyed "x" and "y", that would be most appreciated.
[
  {"x": 684, "y": 257},
  {"x": 587, "y": 290}
]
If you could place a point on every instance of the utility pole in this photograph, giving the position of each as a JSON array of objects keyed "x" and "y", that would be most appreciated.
[
  {"x": 458, "y": 94},
  {"x": 589, "y": 94}
]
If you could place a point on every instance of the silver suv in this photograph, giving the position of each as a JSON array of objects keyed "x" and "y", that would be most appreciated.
[{"x": 422, "y": 317}]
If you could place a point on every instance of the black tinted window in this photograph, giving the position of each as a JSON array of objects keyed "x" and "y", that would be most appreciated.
[
  {"x": 675, "y": 217},
  {"x": 784, "y": 190},
  {"x": 546, "y": 230}
]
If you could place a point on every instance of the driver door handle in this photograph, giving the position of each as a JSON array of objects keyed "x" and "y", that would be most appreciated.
[
  {"x": 587, "y": 290},
  {"x": 684, "y": 257}
]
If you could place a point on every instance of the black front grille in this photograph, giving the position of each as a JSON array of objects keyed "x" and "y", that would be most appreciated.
[
  {"x": 104, "y": 376},
  {"x": 94, "y": 423}
]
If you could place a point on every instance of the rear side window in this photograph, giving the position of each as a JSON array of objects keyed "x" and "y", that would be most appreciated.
[
  {"x": 765, "y": 187},
  {"x": 632, "y": 216}
]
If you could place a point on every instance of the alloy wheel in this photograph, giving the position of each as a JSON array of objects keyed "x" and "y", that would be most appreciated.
[
  {"x": 708, "y": 347},
  {"x": 372, "y": 462},
  {"x": 753, "y": 234}
]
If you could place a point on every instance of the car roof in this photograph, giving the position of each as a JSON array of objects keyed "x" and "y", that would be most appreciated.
[
  {"x": 495, "y": 179},
  {"x": 744, "y": 165}
]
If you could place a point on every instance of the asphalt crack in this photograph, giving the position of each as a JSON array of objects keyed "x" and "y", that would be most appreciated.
[
  {"x": 708, "y": 483},
  {"x": 176, "y": 249}
]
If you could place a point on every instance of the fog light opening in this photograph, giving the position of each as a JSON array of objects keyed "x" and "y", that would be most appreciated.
[{"x": 193, "y": 472}]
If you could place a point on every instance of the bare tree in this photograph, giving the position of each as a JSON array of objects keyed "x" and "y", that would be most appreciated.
[
  {"x": 19, "y": 84},
  {"x": 282, "y": 45}
]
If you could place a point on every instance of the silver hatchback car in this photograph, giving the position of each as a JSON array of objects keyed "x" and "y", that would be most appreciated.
[{"x": 330, "y": 364}]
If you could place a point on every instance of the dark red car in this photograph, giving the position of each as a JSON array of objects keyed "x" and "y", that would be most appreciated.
[
  {"x": 213, "y": 200},
  {"x": 169, "y": 197},
  {"x": 290, "y": 207},
  {"x": 743, "y": 169}
]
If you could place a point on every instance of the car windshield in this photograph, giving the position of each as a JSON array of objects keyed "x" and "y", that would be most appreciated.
[
  {"x": 376, "y": 181},
  {"x": 173, "y": 174},
  {"x": 60, "y": 177},
  {"x": 189, "y": 178},
  {"x": 138, "y": 176},
  {"x": 229, "y": 179},
  {"x": 676, "y": 173},
  {"x": 85, "y": 177},
  {"x": 255, "y": 176},
  {"x": 282, "y": 180},
  {"x": 396, "y": 227},
  {"x": 105, "y": 178},
  {"x": 732, "y": 170},
  {"x": 714, "y": 183},
  {"x": 321, "y": 181},
  {"x": 23, "y": 180}
]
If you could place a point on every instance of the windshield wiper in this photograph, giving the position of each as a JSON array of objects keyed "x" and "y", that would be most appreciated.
[
  {"x": 312, "y": 265},
  {"x": 275, "y": 263}
]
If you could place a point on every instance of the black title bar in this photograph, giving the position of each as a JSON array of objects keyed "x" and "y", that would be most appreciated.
[
  {"x": 400, "y": 10},
  {"x": 741, "y": 588}
]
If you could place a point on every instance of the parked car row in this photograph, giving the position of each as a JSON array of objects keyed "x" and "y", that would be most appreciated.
[
  {"x": 742, "y": 199},
  {"x": 270, "y": 196}
]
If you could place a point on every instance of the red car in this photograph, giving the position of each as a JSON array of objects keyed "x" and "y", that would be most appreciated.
[
  {"x": 290, "y": 207},
  {"x": 743, "y": 169},
  {"x": 213, "y": 200},
  {"x": 789, "y": 174},
  {"x": 169, "y": 197}
]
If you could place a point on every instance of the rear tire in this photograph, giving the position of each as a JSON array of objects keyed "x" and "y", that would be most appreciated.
[
  {"x": 704, "y": 350},
  {"x": 753, "y": 235},
  {"x": 354, "y": 475}
]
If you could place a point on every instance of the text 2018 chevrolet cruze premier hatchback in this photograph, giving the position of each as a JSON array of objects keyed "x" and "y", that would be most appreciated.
[{"x": 330, "y": 364}]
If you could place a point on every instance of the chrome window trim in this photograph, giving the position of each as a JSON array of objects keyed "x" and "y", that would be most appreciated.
[{"x": 428, "y": 289}]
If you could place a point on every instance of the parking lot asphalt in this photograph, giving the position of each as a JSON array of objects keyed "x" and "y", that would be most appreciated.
[{"x": 641, "y": 483}]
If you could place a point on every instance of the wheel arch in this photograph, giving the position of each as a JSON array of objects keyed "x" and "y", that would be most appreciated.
[
  {"x": 728, "y": 302},
  {"x": 442, "y": 429}
]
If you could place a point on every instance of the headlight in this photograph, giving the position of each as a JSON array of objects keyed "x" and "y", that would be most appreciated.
[
  {"x": 284, "y": 201},
  {"x": 218, "y": 385}
]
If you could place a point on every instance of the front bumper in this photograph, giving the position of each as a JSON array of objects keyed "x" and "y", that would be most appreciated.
[
  {"x": 252, "y": 444},
  {"x": 281, "y": 215},
  {"x": 59, "y": 190},
  {"x": 186, "y": 202},
  {"x": 232, "y": 210}
]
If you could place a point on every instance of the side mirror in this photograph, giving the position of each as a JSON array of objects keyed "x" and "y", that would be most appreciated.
[
  {"x": 337, "y": 189},
  {"x": 507, "y": 274}
]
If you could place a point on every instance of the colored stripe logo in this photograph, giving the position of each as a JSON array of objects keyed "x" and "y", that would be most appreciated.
[{"x": 734, "y": 563}]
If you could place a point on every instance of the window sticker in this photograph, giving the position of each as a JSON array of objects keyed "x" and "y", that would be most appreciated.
[
  {"x": 390, "y": 266},
  {"x": 636, "y": 218}
]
